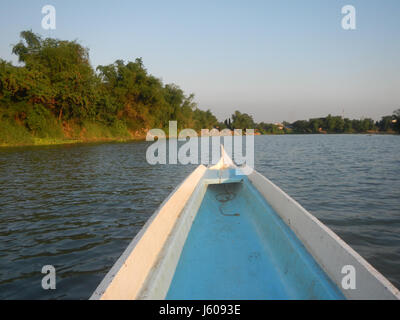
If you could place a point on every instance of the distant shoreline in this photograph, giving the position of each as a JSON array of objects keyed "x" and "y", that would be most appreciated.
[
  {"x": 38, "y": 142},
  {"x": 59, "y": 142},
  {"x": 55, "y": 96}
]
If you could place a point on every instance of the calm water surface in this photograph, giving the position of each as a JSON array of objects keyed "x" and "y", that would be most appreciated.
[{"x": 77, "y": 207}]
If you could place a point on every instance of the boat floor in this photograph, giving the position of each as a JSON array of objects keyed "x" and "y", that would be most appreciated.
[{"x": 239, "y": 248}]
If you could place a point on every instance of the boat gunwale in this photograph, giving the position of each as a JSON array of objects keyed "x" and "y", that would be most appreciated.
[
  {"x": 154, "y": 286},
  {"x": 109, "y": 277},
  {"x": 388, "y": 286}
]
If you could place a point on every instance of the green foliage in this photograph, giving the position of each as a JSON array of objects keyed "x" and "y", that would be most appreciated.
[
  {"x": 13, "y": 134},
  {"x": 119, "y": 129},
  {"x": 57, "y": 84},
  {"x": 329, "y": 124},
  {"x": 36, "y": 118},
  {"x": 396, "y": 120},
  {"x": 269, "y": 128},
  {"x": 333, "y": 124},
  {"x": 56, "y": 93},
  {"x": 386, "y": 123},
  {"x": 241, "y": 121},
  {"x": 42, "y": 123},
  {"x": 204, "y": 120},
  {"x": 95, "y": 130}
]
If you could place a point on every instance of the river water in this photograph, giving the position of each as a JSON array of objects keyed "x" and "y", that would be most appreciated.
[{"x": 77, "y": 207}]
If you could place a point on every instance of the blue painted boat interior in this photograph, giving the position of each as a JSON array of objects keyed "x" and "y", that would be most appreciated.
[{"x": 239, "y": 248}]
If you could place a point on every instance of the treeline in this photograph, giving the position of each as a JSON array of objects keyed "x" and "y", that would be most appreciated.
[
  {"x": 245, "y": 121},
  {"x": 329, "y": 124},
  {"x": 56, "y": 93},
  {"x": 337, "y": 124}
]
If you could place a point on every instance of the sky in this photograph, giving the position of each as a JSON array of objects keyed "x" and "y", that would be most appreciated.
[{"x": 280, "y": 60}]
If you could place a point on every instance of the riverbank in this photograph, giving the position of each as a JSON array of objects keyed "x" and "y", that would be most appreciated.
[
  {"x": 50, "y": 142},
  {"x": 13, "y": 134},
  {"x": 35, "y": 141}
]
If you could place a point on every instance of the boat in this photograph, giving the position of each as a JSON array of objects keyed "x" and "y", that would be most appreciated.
[{"x": 226, "y": 235}]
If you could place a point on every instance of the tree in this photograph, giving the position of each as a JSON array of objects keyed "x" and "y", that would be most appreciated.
[
  {"x": 386, "y": 124},
  {"x": 64, "y": 65},
  {"x": 301, "y": 126},
  {"x": 316, "y": 124},
  {"x": 269, "y": 128},
  {"x": 204, "y": 120},
  {"x": 396, "y": 120},
  {"x": 242, "y": 121},
  {"x": 348, "y": 128},
  {"x": 56, "y": 80}
]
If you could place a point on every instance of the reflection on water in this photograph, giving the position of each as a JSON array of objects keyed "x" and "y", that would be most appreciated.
[{"x": 77, "y": 207}]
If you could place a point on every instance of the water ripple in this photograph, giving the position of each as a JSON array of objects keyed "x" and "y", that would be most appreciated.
[{"x": 78, "y": 207}]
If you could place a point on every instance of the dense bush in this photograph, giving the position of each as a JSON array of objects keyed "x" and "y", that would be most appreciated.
[
  {"x": 57, "y": 83},
  {"x": 14, "y": 134},
  {"x": 42, "y": 123}
]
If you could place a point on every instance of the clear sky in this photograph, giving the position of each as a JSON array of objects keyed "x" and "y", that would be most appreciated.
[{"x": 277, "y": 60}]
